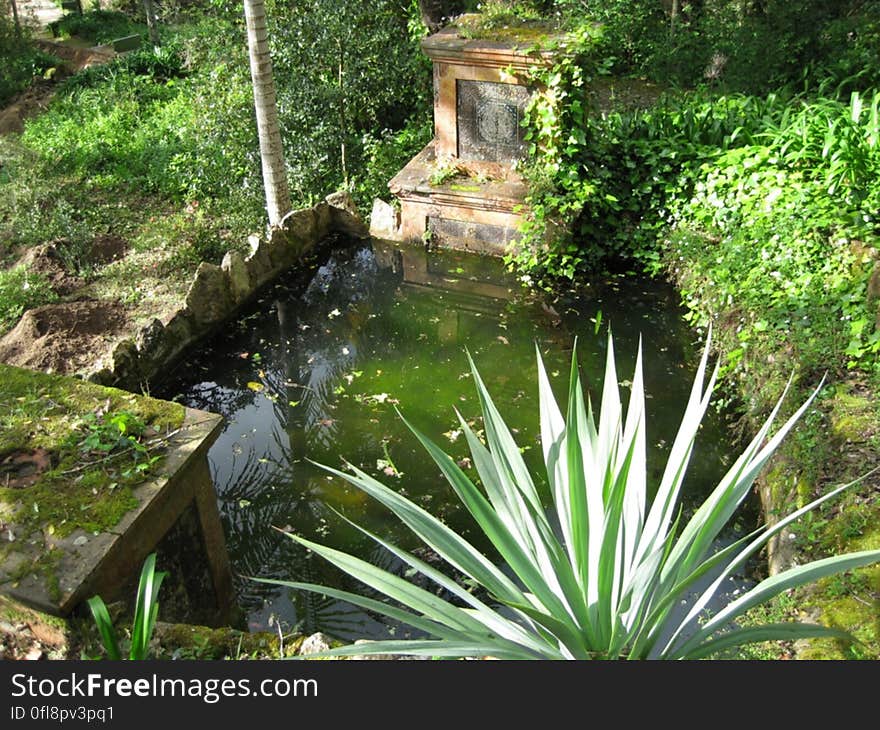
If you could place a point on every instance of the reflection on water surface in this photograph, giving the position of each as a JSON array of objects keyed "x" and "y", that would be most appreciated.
[{"x": 314, "y": 372}]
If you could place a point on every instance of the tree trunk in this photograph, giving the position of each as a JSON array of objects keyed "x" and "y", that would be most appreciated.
[
  {"x": 271, "y": 149},
  {"x": 152, "y": 25},
  {"x": 15, "y": 18},
  {"x": 343, "y": 121},
  {"x": 673, "y": 16}
]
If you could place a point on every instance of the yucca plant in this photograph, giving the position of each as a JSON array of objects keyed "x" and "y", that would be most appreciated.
[
  {"x": 597, "y": 574},
  {"x": 146, "y": 611}
]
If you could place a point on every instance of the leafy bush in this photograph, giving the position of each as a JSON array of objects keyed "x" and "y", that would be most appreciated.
[
  {"x": 98, "y": 26},
  {"x": 20, "y": 291},
  {"x": 20, "y": 61},
  {"x": 343, "y": 71},
  {"x": 791, "y": 215},
  {"x": 752, "y": 191},
  {"x": 744, "y": 47},
  {"x": 598, "y": 575},
  {"x": 385, "y": 155}
]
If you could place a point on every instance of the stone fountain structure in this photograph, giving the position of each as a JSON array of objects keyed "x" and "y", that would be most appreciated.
[{"x": 463, "y": 189}]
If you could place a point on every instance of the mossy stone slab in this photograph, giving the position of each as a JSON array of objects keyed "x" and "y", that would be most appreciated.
[{"x": 53, "y": 563}]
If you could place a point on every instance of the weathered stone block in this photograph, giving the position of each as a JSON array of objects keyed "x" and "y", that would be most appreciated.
[
  {"x": 150, "y": 338},
  {"x": 323, "y": 220},
  {"x": 283, "y": 250},
  {"x": 179, "y": 332},
  {"x": 344, "y": 215},
  {"x": 259, "y": 262},
  {"x": 384, "y": 220},
  {"x": 315, "y": 644},
  {"x": 125, "y": 357},
  {"x": 301, "y": 225},
  {"x": 128, "y": 43},
  {"x": 237, "y": 274},
  {"x": 208, "y": 298}
]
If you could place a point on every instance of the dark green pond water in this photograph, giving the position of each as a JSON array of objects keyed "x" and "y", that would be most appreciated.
[{"x": 315, "y": 369}]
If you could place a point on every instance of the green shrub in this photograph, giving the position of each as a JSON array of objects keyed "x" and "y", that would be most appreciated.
[
  {"x": 385, "y": 155},
  {"x": 20, "y": 61},
  {"x": 145, "y": 614},
  {"x": 99, "y": 26}
]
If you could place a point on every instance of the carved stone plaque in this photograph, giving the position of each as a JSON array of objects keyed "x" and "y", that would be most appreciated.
[{"x": 488, "y": 119}]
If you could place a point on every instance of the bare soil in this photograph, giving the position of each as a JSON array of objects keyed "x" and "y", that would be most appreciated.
[
  {"x": 64, "y": 338},
  {"x": 46, "y": 260},
  {"x": 28, "y": 103}
]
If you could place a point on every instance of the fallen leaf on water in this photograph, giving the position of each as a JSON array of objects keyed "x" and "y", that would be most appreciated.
[
  {"x": 256, "y": 387},
  {"x": 453, "y": 435}
]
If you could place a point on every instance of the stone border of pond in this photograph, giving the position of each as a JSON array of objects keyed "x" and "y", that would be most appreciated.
[
  {"x": 218, "y": 292},
  {"x": 55, "y": 574}
]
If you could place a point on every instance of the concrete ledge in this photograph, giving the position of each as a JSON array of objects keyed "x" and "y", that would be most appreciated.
[
  {"x": 85, "y": 564},
  {"x": 471, "y": 212}
]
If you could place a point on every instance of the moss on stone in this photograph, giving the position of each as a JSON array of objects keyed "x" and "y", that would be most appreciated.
[
  {"x": 848, "y": 601},
  {"x": 507, "y": 28},
  {"x": 81, "y": 489},
  {"x": 854, "y": 416},
  {"x": 186, "y": 641},
  {"x": 11, "y": 611},
  {"x": 838, "y": 445}
]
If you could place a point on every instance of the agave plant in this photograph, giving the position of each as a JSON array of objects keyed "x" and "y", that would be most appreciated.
[{"x": 595, "y": 575}]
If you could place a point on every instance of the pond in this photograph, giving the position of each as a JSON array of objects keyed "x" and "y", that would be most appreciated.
[{"x": 316, "y": 369}]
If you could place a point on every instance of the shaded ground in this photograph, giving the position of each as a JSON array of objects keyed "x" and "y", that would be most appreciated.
[
  {"x": 63, "y": 338},
  {"x": 26, "y": 634}
]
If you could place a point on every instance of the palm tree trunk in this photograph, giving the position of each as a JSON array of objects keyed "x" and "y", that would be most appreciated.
[
  {"x": 343, "y": 122},
  {"x": 271, "y": 149},
  {"x": 152, "y": 25},
  {"x": 15, "y": 18}
]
